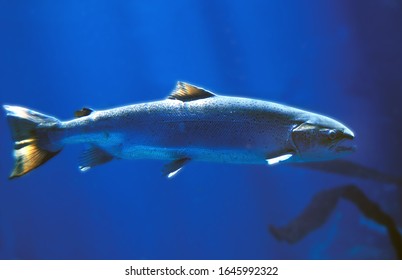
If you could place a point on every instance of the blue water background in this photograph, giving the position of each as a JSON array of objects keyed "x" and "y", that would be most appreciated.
[{"x": 339, "y": 58}]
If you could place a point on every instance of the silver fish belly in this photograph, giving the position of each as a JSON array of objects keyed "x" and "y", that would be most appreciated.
[{"x": 191, "y": 124}]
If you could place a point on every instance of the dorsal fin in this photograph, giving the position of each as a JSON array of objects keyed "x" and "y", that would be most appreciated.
[
  {"x": 83, "y": 112},
  {"x": 186, "y": 92}
]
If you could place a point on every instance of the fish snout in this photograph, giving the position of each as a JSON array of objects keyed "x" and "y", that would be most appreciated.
[{"x": 348, "y": 134}]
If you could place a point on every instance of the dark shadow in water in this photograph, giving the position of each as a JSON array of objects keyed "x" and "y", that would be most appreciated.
[
  {"x": 348, "y": 168},
  {"x": 324, "y": 203}
]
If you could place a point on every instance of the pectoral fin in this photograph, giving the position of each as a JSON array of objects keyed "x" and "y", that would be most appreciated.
[
  {"x": 93, "y": 156},
  {"x": 173, "y": 167},
  {"x": 278, "y": 159}
]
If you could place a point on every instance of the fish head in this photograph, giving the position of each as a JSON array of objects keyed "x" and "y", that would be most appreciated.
[{"x": 322, "y": 138}]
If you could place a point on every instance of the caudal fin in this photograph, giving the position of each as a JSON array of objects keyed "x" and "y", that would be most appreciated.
[{"x": 28, "y": 129}]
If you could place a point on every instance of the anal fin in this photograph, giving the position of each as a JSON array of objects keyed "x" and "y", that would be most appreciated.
[
  {"x": 93, "y": 156},
  {"x": 173, "y": 167}
]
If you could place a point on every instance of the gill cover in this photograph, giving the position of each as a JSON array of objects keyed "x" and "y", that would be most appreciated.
[{"x": 303, "y": 136}]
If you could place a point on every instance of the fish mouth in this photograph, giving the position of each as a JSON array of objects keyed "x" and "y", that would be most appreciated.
[
  {"x": 345, "y": 146},
  {"x": 345, "y": 143}
]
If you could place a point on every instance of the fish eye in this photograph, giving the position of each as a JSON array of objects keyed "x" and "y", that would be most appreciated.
[{"x": 332, "y": 134}]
